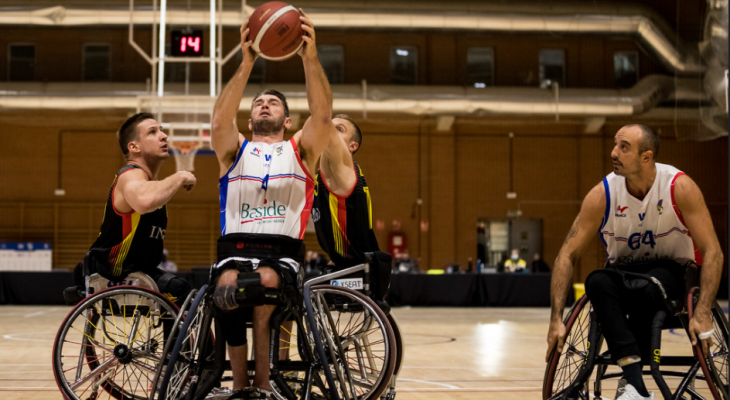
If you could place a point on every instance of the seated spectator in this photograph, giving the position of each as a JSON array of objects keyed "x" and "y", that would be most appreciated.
[
  {"x": 514, "y": 262},
  {"x": 166, "y": 264},
  {"x": 452, "y": 269},
  {"x": 539, "y": 265},
  {"x": 314, "y": 263},
  {"x": 404, "y": 264}
]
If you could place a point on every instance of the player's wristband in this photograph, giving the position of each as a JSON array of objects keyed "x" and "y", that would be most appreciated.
[{"x": 705, "y": 335}]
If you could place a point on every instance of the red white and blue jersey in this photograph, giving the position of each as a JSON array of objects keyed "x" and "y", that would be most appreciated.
[
  {"x": 638, "y": 231},
  {"x": 267, "y": 190}
]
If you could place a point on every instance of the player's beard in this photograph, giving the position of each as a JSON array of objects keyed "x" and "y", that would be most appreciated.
[{"x": 267, "y": 126}]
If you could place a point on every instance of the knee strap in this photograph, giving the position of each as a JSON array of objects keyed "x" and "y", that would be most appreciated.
[{"x": 252, "y": 293}]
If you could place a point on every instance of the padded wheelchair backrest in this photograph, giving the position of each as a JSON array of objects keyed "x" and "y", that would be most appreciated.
[{"x": 96, "y": 282}]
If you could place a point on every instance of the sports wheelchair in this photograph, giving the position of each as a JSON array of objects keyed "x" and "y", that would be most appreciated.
[
  {"x": 568, "y": 373},
  {"x": 112, "y": 340},
  {"x": 340, "y": 345}
]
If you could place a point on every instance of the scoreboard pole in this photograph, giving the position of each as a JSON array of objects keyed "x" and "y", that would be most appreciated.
[
  {"x": 213, "y": 49},
  {"x": 161, "y": 54}
]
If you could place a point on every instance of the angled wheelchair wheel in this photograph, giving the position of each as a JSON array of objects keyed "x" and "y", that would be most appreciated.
[
  {"x": 358, "y": 340},
  {"x": 185, "y": 363},
  {"x": 567, "y": 371},
  {"x": 399, "y": 348},
  {"x": 112, "y": 342},
  {"x": 715, "y": 364},
  {"x": 718, "y": 357}
]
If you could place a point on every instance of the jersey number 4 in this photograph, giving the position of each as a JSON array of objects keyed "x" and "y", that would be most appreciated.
[{"x": 636, "y": 240}]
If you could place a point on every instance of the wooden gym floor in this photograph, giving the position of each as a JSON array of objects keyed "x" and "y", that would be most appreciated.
[{"x": 451, "y": 353}]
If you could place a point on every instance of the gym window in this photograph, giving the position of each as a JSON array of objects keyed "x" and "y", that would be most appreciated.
[
  {"x": 552, "y": 68},
  {"x": 97, "y": 63},
  {"x": 480, "y": 67},
  {"x": 403, "y": 65},
  {"x": 21, "y": 62},
  {"x": 332, "y": 59},
  {"x": 626, "y": 68}
]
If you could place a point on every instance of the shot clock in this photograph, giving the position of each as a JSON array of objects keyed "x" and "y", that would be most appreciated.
[{"x": 186, "y": 43}]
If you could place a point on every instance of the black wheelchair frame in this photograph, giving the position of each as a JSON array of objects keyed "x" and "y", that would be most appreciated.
[
  {"x": 317, "y": 349},
  {"x": 585, "y": 352}
]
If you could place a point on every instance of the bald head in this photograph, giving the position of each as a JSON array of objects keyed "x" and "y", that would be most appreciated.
[{"x": 649, "y": 139}]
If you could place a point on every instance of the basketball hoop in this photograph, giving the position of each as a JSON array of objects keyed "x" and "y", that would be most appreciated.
[{"x": 184, "y": 153}]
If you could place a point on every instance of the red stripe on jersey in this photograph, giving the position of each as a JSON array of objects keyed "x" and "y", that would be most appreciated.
[
  {"x": 126, "y": 224},
  {"x": 299, "y": 159},
  {"x": 113, "y": 254},
  {"x": 342, "y": 221},
  {"x": 698, "y": 255},
  {"x": 674, "y": 203},
  {"x": 307, "y": 211}
]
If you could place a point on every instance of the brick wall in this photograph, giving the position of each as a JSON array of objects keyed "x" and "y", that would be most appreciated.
[
  {"x": 441, "y": 55},
  {"x": 460, "y": 175}
]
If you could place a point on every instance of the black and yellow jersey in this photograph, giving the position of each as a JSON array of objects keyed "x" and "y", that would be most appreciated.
[
  {"x": 129, "y": 242},
  {"x": 344, "y": 224}
]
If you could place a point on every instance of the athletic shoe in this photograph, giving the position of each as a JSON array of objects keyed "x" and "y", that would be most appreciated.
[
  {"x": 251, "y": 393},
  {"x": 620, "y": 388},
  {"x": 628, "y": 392}
]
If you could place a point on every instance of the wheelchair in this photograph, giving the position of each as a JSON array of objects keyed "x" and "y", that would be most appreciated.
[
  {"x": 112, "y": 340},
  {"x": 568, "y": 373},
  {"x": 340, "y": 345}
]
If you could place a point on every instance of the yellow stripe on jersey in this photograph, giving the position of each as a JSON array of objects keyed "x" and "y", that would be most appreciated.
[
  {"x": 126, "y": 244},
  {"x": 370, "y": 205},
  {"x": 339, "y": 248},
  {"x": 316, "y": 184}
]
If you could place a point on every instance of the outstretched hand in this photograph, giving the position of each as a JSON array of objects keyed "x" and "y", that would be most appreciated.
[
  {"x": 309, "y": 49},
  {"x": 249, "y": 55}
]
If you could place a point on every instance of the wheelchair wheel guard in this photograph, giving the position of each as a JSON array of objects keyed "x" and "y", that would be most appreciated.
[{"x": 112, "y": 341}]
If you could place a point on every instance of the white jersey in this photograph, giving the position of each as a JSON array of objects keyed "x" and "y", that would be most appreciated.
[
  {"x": 266, "y": 190},
  {"x": 636, "y": 231}
]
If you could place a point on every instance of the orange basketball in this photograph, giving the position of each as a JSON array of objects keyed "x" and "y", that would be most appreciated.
[{"x": 276, "y": 30}]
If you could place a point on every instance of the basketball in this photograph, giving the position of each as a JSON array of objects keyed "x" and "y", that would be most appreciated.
[{"x": 276, "y": 31}]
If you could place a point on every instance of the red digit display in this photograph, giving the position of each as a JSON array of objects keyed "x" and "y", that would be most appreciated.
[{"x": 186, "y": 44}]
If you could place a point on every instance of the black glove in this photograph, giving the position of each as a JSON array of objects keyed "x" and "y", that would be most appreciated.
[{"x": 225, "y": 297}]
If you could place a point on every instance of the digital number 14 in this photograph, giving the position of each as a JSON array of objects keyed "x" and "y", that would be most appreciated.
[{"x": 190, "y": 41}]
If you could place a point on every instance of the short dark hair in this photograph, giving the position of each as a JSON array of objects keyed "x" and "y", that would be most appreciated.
[
  {"x": 273, "y": 93},
  {"x": 357, "y": 135},
  {"x": 649, "y": 140},
  {"x": 128, "y": 131}
]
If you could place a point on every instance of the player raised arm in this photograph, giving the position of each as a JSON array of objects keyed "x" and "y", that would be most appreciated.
[
  {"x": 583, "y": 231},
  {"x": 318, "y": 128},
  {"x": 337, "y": 166},
  {"x": 224, "y": 136},
  {"x": 693, "y": 210},
  {"x": 134, "y": 192}
]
